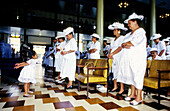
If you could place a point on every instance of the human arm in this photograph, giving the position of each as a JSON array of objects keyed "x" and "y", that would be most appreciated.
[
  {"x": 67, "y": 52},
  {"x": 162, "y": 51},
  {"x": 110, "y": 56},
  {"x": 18, "y": 65}
]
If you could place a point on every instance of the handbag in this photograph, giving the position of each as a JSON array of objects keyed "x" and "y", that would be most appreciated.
[{"x": 88, "y": 64}]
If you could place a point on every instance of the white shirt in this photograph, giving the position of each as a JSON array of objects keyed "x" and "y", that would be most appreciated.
[
  {"x": 116, "y": 43},
  {"x": 168, "y": 49},
  {"x": 160, "y": 46},
  {"x": 148, "y": 50},
  {"x": 95, "y": 55},
  {"x": 156, "y": 58}
]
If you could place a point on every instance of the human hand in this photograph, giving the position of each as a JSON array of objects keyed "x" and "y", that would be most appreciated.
[
  {"x": 16, "y": 67},
  {"x": 63, "y": 52},
  {"x": 110, "y": 56},
  {"x": 17, "y": 64}
]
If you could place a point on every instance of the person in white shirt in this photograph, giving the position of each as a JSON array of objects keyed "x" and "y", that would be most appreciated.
[
  {"x": 69, "y": 57},
  {"x": 58, "y": 56},
  {"x": 160, "y": 45},
  {"x": 94, "y": 49},
  {"x": 117, "y": 28},
  {"x": 154, "y": 54},
  {"x": 106, "y": 47},
  {"x": 148, "y": 48}
]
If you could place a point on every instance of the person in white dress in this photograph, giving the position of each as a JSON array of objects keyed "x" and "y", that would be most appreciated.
[
  {"x": 58, "y": 56},
  {"x": 95, "y": 47},
  {"x": 160, "y": 45},
  {"x": 133, "y": 56},
  {"x": 27, "y": 74},
  {"x": 117, "y": 28},
  {"x": 69, "y": 57},
  {"x": 106, "y": 47},
  {"x": 154, "y": 54}
]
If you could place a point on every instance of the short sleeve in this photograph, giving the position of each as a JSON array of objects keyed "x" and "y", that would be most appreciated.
[
  {"x": 162, "y": 45},
  {"x": 73, "y": 45},
  {"x": 138, "y": 37},
  {"x": 30, "y": 61}
]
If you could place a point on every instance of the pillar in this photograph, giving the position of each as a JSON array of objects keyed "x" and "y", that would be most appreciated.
[
  {"x": 100, "y": 22},
  {"x": 153, "y": 18}
]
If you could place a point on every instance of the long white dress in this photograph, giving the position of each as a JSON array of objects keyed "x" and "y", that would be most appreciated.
[
  {"x": 132, "y": 63},
  {"x": 68, "y": 68},
  {"x": 97, "y": 46},
  {"x": 59, "y": 57},
  {"x": 114, "y": 45},
  {"x": 27, "y": 74}
]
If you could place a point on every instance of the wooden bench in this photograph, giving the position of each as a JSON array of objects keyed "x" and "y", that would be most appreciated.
[
  {"x": 99, "y": 75},
  {"x": 158, "y": 76}
]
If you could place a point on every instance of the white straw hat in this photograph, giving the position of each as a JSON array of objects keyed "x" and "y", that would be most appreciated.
[
  {"x": 155, "y": 36},
  {"x": 165, "y": 40},
  {"x": 68, "y": 30},
  {"x": 134, "y": 16},
  {"x": 95, "y": 35},
  {"x": 117, "y": 25},
  {"x": 60, "y": 36},
  {"x": 154, "y": 49}
]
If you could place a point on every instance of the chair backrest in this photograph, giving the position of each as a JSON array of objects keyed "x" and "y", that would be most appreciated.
[
  {"x": 159, "y": 65},
  {"x": 82, "y": 61},
  {"x": 101, "y": 63}
]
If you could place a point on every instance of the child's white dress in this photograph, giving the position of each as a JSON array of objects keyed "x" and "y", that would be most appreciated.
[{"x": 27, "y": 74}]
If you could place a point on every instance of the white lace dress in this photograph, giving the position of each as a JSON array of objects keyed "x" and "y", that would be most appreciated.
[{"x": 27, "y": 74}]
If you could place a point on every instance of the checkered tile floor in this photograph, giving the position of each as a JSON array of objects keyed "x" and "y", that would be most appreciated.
[{"x": 49, "y": 96}]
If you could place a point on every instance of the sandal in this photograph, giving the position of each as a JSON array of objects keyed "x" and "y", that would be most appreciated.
[
  {"x": 30, "y": 92},
  {"x": 28, "y": 95},
  {"x": 134, "y": 103},
  {"x": 128, "y": 99}
]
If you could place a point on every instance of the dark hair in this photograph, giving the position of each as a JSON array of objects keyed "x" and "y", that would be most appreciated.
[
  {"x": 31, "y": 53},
  {"x": 62, "y": 38},
  {"x": 139, "y": 22},
  {"x": 97, "y": 38}
]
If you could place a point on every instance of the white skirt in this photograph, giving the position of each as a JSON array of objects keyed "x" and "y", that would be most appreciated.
[
  {"x": 27, "y": 75},
  {"x": 131, "y": 67},
  {"x": 68, "y": 68},
  {"x": 58, "y": 62}
]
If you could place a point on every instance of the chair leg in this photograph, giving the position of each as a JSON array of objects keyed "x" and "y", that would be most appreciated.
[
  {"x": 87, "y": 90},
  {"x": 78, "y": 86},
  {"x": 159, "y": 96}
]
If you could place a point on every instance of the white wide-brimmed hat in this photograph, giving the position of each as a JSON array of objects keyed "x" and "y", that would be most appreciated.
[
  {"x": 154, "y": 49},
  {"x": 134, "y": 16},
  {"x": 104, "y": 39},
  {"x": 95, "y": 35},
  {"x": 60, "y": 36},
  {"x": 165, "y": 40},
  {"x": 117, "y": 25},
  {"x": 168, "y": 38},
  {"x": 68, "y": 30},
  {"x": 155, "y": 36}
]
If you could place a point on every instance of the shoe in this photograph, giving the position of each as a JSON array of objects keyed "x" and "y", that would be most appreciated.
[
  {"x": 61, "y": 81},
  {"x": 113, "y": 90},
  {"x": 30, "y": 92},
  {"x": 98, "y": 86},
  {"x": 58, "y": 80},
  {"x": 70, "y": 87},
  {"x": 102, "y": 89},
  {"x": 119, "y": 94},
  {"x": 134, "y": 103},
  {"x": 28, "y": 95},
  {"x": 128, "y": 98}
]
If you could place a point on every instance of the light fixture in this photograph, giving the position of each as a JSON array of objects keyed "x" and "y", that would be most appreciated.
[
  {"x": 164, "y": 15},
  {"x": 123, "y": 4}
]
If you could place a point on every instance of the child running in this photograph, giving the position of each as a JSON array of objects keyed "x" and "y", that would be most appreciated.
[{"x": 27, "y": 74}]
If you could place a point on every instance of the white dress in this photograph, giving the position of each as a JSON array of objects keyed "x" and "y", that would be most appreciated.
[
  {"x": 27, "y": 74},
  {"x": 160, "y": 46},
  {"x": 132, "y": 63},
  {"x": 97, "y": 46},
  {"x": 69, "y": 61},
  {"x": 114, "y": 45},
  {"x": 59, "y": 57}
]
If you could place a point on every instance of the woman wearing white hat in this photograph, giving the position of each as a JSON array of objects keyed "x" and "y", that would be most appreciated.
[
  {"x": 154, "y": 54},
  {"x": 94, "y": 49},
  {"x": 160, "y": 45},
  {"x": 69, "y": 57},
  {"x": 117, "y": 28},
  {"x": 132, "y": 64},
  {"x": 58, "y": 56}
]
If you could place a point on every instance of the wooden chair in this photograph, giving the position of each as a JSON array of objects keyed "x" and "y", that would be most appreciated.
[
  {"x": 159, "y": 76},
  {"x": 99, "y": 76}
]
